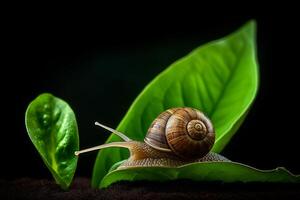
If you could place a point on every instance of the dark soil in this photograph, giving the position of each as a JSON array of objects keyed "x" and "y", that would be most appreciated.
[{"x": 32, "y": 189}]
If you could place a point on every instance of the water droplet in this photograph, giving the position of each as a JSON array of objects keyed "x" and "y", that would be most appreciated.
[
  {"x": 46, "y": 122},
  {"x": 46, "y": 116},
  {"x": 63, "y": 163},
  {"x": 46, "y": 107}
]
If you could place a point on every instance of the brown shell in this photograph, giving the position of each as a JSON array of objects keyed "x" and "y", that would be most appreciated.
[
  {"x": 156, "y": 137},
  {"x": 185, "y": 131}
]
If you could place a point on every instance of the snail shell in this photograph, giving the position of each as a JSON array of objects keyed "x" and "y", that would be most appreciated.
[{"x": 186, "y": 132}]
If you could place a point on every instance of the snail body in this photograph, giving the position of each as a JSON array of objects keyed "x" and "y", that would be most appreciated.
[
  {"x": 176, "y": 137},
  {"x": 150, "y": 157}
]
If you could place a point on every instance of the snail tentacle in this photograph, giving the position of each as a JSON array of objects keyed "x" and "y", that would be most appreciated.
[
  {"x": 103, "y": 146},
  {"x": 118, "y": 133}
]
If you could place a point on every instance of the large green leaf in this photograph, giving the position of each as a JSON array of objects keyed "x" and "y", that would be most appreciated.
[
  {"x": 52, "y": 128},
  {"x": 206, "y": 171},
  {"x": 220, "y": 78}
]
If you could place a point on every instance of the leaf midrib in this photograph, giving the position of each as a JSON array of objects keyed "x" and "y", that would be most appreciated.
[
  {"x": 53, "y": 134},
  {"x": 221, "y": 95}
]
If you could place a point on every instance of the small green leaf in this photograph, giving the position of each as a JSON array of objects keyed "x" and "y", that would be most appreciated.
[
  {"x": 52, "y": 128},
  {"x": 220, "y": 78},
  {"x": 227, "y": 172}
]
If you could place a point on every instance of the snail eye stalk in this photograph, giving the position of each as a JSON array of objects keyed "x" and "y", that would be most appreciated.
[
  {"x": 121, "y": 135},
  {"x": 113, "y": 144}
]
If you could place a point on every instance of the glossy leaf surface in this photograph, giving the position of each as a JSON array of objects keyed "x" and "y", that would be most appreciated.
[
  {"x": 52, "y": 128},
  {"x": 227, "y": 172}
]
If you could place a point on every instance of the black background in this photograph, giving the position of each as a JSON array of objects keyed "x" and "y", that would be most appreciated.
[{"x": 100, "y": 66}]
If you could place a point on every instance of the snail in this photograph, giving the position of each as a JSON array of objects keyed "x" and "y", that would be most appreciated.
[{"x": 176, "y": 137}]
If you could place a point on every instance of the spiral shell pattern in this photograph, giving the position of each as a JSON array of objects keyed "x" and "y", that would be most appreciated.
[{"x": 186, "y": 132}]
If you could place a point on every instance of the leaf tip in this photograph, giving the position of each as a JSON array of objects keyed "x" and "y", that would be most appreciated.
[
  {"x": 252, "y": 23},
  {"x": 250, "y": 27}
]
